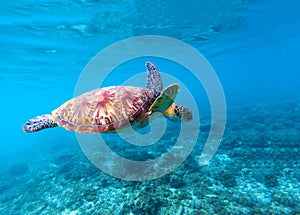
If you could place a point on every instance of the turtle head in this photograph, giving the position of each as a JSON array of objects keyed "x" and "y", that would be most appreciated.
[
  {"x": 39, "y": 123},
  {"x": 178, "y": 113}
]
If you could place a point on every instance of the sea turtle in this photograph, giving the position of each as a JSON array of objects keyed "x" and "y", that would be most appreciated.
[{"x": 114, "y": 108}]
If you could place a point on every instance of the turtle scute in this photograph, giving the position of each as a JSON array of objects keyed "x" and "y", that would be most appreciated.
[{"x": 104, "y": 109}]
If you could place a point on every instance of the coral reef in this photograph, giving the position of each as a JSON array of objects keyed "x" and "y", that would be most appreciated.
[{"x": 256, "y": 170}]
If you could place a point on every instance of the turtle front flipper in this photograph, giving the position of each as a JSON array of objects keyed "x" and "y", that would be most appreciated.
[
  {"x": 154, "y": 80},
  {"x": 165, "y": 99},
  {"x": 178, "y": 113},
  {"x": 39, "y": 123}
]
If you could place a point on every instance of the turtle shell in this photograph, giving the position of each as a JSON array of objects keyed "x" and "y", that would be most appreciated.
[{"x": 104, "y": 109}]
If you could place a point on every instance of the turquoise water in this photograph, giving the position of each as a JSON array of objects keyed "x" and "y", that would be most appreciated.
[{"x": 253, "y": 48}]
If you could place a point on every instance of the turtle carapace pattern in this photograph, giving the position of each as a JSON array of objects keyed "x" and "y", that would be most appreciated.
[{"x": 114, "y": 108}]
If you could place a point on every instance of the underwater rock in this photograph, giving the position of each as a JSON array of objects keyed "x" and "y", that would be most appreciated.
[
  {"x": 257, "y": 178},
  {"x": 18, "y": 169},
  {"x": 150, "y": 206},
  {"x": 148, "y": 201},
  {"x": 177, "y": 184},
  {"x": 180, "y": 210},
  {"x": 286, "y": 138},
  {"x": 297, "y": 176},
  {"x": 72, "y": 175},
  {"x": 285, "y": 199},
  {"x": 227, "y": 178},
  {"x": 4, "y": 187},
  {"x": 125, "y": 210},
  {"x": 63, "y": 159},
  {"x": 252, "y": 138},
  {"x": 65, "y": 168},
  {"x": 176, "y": 181},
  {"x": 271, "y": 180},
  {"x": 205, "y": 128},
  {"x": 191, "y": 165},
  {"x": 105, "y": 183},
  {"x": 90, "y": 195}
]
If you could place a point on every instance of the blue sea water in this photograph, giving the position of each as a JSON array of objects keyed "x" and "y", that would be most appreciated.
[{"x": 253, "y": 47}]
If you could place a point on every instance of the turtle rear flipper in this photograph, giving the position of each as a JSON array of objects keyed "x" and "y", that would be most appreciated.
[
  {"x": 178, "y": 113},
  {"x": 39, "y": 123},
  {"x": 165, "y": 99}
]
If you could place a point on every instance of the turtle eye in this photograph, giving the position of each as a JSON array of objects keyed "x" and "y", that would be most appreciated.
[{"x": 176, "y": 111}]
